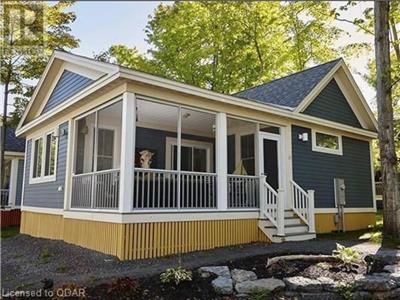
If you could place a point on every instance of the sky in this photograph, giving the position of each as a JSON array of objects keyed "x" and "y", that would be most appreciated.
[{"x": 100, "y": 24}]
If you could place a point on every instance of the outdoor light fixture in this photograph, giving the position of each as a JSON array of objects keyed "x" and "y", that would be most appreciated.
[
  {"x": 186, "y": 115},
  {"x": 303, "y": 137}
]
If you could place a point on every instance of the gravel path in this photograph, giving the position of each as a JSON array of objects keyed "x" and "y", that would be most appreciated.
[{"x": 25, "y": 261}]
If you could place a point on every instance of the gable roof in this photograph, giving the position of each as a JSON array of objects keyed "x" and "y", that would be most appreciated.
[
  {"x": 114, "y": 74},
  {"x": 13, "y": 143},
  {"x": 289, "y": 91}
]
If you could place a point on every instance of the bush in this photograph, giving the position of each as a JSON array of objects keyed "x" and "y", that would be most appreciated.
[
  {"x": 176, "y": 275},
  {"x": 259, "y": 294},
  {"x": 346, "y": 255},
  {"x": 123, "y": 288}
]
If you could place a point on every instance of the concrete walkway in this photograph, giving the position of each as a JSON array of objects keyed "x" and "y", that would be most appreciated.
[{"x": 26, "y": 261}]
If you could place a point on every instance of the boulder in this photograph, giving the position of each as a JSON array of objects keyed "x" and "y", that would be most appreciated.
[
  {"x": 303, "y": 284},
  {"x": 327, "y": 284},
  {"x": 322, "y": 295},
  {"x": 242, "y": 275},
  {"x": 361, "y": 295},
  {"x": 216, "y": 270},
  {"x": 270, "y": 284},
  {"x": 379, "y": 282},
  {"x": 392, "y": 268},
  {"x": 223, "y": 285},
  {"x": 391, "y": 295}
]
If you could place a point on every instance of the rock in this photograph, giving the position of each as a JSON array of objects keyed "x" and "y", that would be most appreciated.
[
  {"x": 270, "y": 284},
  {"x": 361, "y": 295},
  {"x": 393, "y": 294},
  {"x": 216, "y": 270},
  {"x": 302, "y": 284},
  {"x": 323, "y": 295},
  {"x": 328, "y": 284},
  {"x": 223, "y": 285},
  {"x": 376, "y": 282},
  {"x": 392, "y": 268},
  {"x": 242, "y": 275}
]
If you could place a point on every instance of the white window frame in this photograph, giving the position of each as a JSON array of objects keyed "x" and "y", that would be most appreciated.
[
  {"x": 187, "y": 143},
  {"x": 316, "y": 148},
  {"x": 42, "y": 178}
]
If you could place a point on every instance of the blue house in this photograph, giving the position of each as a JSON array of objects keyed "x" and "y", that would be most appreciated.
[{"x": 139, "y": 166}]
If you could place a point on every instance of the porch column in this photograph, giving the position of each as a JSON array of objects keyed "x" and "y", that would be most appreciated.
[
  {"x": 12, "y": 189},
  {"x": 127, "y": 152},
  {"x": 221, "y": 163}
]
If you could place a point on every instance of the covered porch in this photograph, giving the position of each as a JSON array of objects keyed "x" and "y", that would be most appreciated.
[{"x": 142, "y": 155}]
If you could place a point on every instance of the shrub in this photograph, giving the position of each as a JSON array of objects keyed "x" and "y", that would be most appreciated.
[
  {"x": 176, "y": 275},
  {"x": 123, "y": 288},
  {"x": 324, "y": 265},
  {"x": 345, "y": 290},
  {"x": 45, "y": 256},
  {"x": 346, "y": 255}
]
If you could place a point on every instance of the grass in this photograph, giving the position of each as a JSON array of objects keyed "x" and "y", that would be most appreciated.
[
  {"x": 373, "y": 234},
  {"x": 9, "y": 232}
]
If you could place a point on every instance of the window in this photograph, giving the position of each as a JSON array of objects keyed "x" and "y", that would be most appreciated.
[
  {"x": 195, "y": 155},
  {"x": 247, "y": 153},
  {"x": 50, "y": 161},
  {"x": 43, "y": 158},
  {"x": 105, "y": 149},
  {"x": 327, "y": 143}
]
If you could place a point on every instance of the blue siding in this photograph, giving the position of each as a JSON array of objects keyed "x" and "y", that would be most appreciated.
[
  {"x": 47, "y": 194},
  {"x": 331, "y": 105},
  {"x": 20, "y": 179},
  {"x": 69, "y": 84},
  {"x": 316, "y": 170}
]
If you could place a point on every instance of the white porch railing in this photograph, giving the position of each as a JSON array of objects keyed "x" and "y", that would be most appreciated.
[
  {"x": 4, "y": 197},
  {"x": 272, "y": 206},
  {"x": 303, "y": 205},
  {"x": 243, "y": 191},
  {"x": 170, "y": 189},
  {"x": 96, "y": 190}
]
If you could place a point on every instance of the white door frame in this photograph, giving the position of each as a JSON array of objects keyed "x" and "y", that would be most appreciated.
[{"x": 279, "y": 138}]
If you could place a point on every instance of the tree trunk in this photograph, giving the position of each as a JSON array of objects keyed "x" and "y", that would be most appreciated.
[
  {"x": 391, "y": 205},
  {"x": 3, "y": 134}
]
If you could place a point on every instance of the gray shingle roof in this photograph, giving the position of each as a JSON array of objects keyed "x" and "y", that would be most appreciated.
[
  {"x": 12, "y": 142},
  {"x": 289, "y": 91}
]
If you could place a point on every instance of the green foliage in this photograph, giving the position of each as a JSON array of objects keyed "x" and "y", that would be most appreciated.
[
  {"x": 347, "y": 255},
  {"x": 176, "y": 276},
  {"x": 62, "y": 269},
  {"x": 9, "y": 232},
  {"x": 45, "y": 256},
  {"x": 259, "y": 294},
  {"x": 324, "y": 265},
  {"x": 345, "y": 290},
  {"x": 230, "y": 46},
  {"x": 123, "y": 288},
  {"x": 23, "y": 57}
]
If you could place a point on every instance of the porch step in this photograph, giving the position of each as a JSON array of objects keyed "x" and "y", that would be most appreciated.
[{"x": 295, "y": 229}]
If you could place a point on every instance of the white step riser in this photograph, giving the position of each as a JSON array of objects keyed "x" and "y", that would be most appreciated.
[
  {"x": 289, "y": 214},
  {"x": 287, "y": 222},
  {"x": 297, "y": 229},
  {"x": 295, "y": 238}
]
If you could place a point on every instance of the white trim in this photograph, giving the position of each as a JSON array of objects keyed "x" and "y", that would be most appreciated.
[
  {"x": 43, "y": 210},
  {"x": 317, "y": 148},
  {"x": 170, "y": 141},
  {"x": 13, "y": 182},
  {"x": 127, "y": 161},
  {"x": 69, "y": 163},
  {"x": 43, "y": 178},
  {"x": 14, "y": 153},
  {"x": 372, "y": 174},
  {"x": 221, "y": 162},
  {"x": 24, "y": 175},
  {"x": 161, "y": 216},
  {"x": 346, "y": 210}
]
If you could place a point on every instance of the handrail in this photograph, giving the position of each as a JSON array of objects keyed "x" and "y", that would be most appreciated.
[
  {"x": 95, "y": 172},
  {"x": 270, "y": 202},
  {"x": 303, "y": 205}
]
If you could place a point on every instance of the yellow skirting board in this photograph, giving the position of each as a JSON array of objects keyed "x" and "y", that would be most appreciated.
[
  {"x": 325, "y": 223},
  {"x": 143, "y": 240}
]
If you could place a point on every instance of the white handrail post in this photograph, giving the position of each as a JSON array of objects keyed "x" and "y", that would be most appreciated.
[
  {"x": 127, "y": 152},
  {"x": 262, "y": 196},
  {"x": 311, "y": 215},
  {"x": 222, "y": 161},
  {"x": 280, "y": 219}
]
